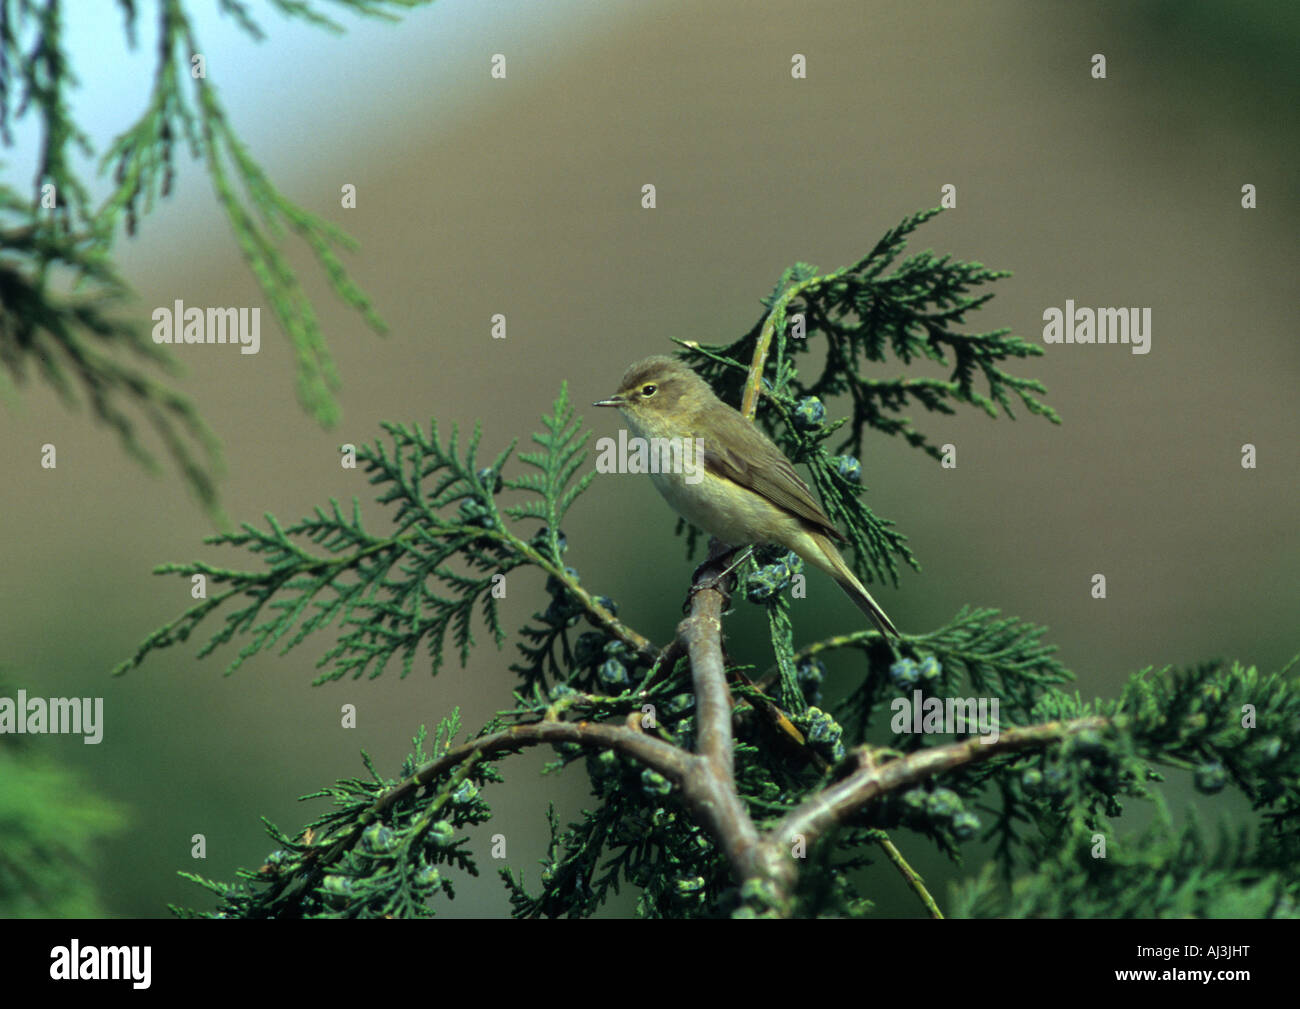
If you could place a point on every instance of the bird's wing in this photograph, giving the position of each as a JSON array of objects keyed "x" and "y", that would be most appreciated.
[{"x": 756, "y": 463}]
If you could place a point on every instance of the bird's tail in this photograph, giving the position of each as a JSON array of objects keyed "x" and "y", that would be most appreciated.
[{"x": 838, "y": 568}]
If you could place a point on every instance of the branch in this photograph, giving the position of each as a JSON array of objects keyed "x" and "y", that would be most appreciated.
[
  {"x": 709, "y": 785},
  {"x": 663, "y": 757},
  {"x": 701, "y": 633},
  {"x": 754, "y": 383},
  {"x": 910, "y": 875},
  {"x": 840, "y": 801}
]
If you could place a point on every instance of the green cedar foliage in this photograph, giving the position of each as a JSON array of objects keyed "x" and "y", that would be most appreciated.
[
  {"x": 53, "y": 826},
  {"x": 60, "y": 294},
  {"x": 1045, "y": 799}
]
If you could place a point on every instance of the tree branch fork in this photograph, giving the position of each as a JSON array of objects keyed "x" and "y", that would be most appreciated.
[{"x": 763, "y": 862}]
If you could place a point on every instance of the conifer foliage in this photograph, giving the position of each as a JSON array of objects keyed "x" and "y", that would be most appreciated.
[{"x": 721, "y": 790}]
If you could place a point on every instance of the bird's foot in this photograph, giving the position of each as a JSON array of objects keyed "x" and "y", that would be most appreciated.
[{"x": 702, "y": 580}]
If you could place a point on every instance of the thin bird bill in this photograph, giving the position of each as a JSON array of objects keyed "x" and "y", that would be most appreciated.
[{"x": 612, "y": 401}]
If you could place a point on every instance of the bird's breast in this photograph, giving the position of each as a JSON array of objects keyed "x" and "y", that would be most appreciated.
[{"x": 734, "y": 514}]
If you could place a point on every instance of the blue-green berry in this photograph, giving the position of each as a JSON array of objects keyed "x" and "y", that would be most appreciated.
[
  {"x": 679, "y": 704},
  {"x": 821, "y": 726},
  {"x": 654, "y": 783},
  {"x": 613, "y": 674},
  {"x": 607, "y": 603},
  {"x": 781, "y": 573},
  {"x": 466, "y": 793},
  {"x": 849, "y": 468},
  {"x": 1211, "y": 777},
  {"x": 490, "y": 479},
  {"x": 428, "y": 875},
  {"x": 943, "y": 804},
  {"x": 1032, "y": 781},
  {"x": 914, "y": 801},
  {"x": 764, "y": 583},
  {"x": 337, "y": 886},
  {"x": 441, "y": 834},
  {"x": 823, "y": 733},
  {"x": 378, "y": 838},
  {"x": 689, "y": 886},
  {"x": 905, "y": 673},
  {"x": 930, "y": 669},
  {"x": 606, "y": 761},
  {"x": 809, "y": 413},
  {"x": 965, "y": 825}
]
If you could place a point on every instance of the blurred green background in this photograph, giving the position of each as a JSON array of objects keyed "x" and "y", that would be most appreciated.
[{"x": 522, "y": 196}]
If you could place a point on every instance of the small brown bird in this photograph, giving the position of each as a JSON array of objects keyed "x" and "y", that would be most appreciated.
[{"x": 743, "y": 490}]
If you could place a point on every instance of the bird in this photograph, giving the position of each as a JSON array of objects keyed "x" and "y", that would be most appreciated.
[{"x": 743, "y": 490}]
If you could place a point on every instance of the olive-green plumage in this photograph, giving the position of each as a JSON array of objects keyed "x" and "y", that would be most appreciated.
[{"x": 749, "y": 491}]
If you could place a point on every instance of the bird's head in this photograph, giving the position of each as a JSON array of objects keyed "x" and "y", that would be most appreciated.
[{"x": 660, "y": 392}]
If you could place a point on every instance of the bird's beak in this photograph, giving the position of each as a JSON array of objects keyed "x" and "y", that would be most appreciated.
[{"x": 612, "y": 401}]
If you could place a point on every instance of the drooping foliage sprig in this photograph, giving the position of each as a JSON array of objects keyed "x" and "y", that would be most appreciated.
[
  {"x": 83, "y": 347},
  {"x": 62, "y": 300}
]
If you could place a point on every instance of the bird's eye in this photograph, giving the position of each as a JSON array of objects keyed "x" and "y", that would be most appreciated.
[{"x": 649, "y": 390}]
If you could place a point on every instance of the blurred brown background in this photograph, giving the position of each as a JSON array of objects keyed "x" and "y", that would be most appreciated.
[{"x": 522, "y": 196}]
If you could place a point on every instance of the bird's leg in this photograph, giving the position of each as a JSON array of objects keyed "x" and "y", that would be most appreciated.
[
  {"x": 744, "y": 556},
  {"x": 702, "y": 580}
]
